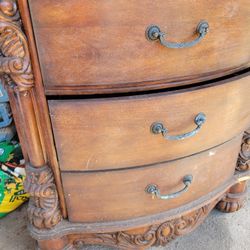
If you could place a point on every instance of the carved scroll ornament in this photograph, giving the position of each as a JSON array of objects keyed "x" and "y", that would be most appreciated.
[
  {"x": 9, "y": 11},
  {"x": 43, "y": 209},
  {"x": 14, "y": 53},
  {"x": 155, "y": 235}
]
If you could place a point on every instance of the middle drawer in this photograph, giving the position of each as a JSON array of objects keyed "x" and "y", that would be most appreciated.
[{"x": 110, "y": 133}]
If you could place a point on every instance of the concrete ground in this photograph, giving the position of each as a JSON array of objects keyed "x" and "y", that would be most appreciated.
[{"x": 219, "y": 232}]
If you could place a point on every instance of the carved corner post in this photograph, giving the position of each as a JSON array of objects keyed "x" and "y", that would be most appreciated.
[
  {"x": 16, "y": 73},
  {"x": 236, "y": 196}
]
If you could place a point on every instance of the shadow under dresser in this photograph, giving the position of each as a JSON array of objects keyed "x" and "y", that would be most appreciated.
[{"x": 133, "y": 115}]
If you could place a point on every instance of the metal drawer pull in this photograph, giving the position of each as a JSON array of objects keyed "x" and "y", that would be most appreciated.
[
  {"x": 154, "y": 33},
  {"x": 154, "y": 190},
  {"x": 157, "y": 128}
]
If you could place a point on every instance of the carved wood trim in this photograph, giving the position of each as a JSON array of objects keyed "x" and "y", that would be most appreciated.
[
  {"x": 16, "y": 72},
  {"x": 140, "y": 238},
  {"x": 43, "y": 210},
  {"x": 155, "y": 235},
  {"x": 243, "y": 163},
  {"x": 15, "y": 60},
  {"x": 9, "y": 11}
]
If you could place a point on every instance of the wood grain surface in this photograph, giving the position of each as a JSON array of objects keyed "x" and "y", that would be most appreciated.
[
  {"x": 100, "y": 46},
  {"x": 112, "y": 133},
  {"x": 120, "y": 195}
]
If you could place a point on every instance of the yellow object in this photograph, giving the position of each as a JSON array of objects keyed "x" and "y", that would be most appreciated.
[{"x": 12, "y": 193}]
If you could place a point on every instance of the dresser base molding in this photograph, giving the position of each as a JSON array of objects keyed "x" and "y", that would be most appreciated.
[
  {"x": 141, "y": 233},
  {"x": 142, "y": 238}
]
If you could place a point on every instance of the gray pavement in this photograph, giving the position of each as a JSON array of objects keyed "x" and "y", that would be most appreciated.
[{"x": 219, "y": 232}]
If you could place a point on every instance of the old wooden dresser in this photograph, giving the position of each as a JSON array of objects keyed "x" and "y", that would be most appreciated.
[{"x": 133, "y": 115}]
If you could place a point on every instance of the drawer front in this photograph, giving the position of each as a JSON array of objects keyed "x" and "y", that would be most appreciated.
[
  {"x": 109, "y": 133},
  {"x": 120, "y": 195},
  {"x": 100, "y": 46}
]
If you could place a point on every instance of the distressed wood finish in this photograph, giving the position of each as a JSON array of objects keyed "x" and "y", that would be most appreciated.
[
  {"x": 120, "y": 195},
  {"x": 114, "y": 133},
  {"x": 100, "y": 46}
]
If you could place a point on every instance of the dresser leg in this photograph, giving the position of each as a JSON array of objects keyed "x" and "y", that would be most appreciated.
[
  {"x": 234, "y": 199},
  {"x": 236, "y": 196}
]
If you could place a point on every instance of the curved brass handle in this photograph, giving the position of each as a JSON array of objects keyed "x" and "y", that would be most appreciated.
[
  {"x": 153, "y": 33},
  {"x": 154, "y": 190},
  {"x": 157, "y": 128}
]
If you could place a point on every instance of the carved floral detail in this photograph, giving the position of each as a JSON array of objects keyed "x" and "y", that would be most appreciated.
[
  {"x": 43, "y": 209},
  {"x": 244, "y": 156},
  {"x": 156, "y": 235},
  {"x": 14, "y": 54}
]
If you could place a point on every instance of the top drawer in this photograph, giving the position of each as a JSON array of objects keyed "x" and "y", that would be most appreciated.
[{"x": 100, "y": 46}]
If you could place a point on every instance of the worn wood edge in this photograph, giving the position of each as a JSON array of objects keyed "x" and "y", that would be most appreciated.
[
  {"x": 217, "y": 82},
  {"x": 139, "y": 86},
  {"x": 65, "y": 227},
  {"x": 41, "y": 106}
]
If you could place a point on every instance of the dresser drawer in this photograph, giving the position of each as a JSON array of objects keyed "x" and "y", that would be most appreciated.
[
  {"x": 121, "y": 195},
  {"x": 100, "y": 46},
  {"x": 112, "y": 133}
]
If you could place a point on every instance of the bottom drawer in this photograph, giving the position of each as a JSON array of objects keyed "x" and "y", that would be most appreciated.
[{"x": 120, "y": 194}]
